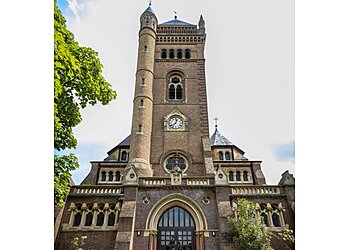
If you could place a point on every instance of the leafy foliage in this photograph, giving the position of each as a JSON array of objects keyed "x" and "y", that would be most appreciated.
[
  {"x": 287, "y": 236},
  {"x": 78, "y": 82},
  {"x": 247, "y": 228},
  {"x": 78, "y": 243},
  {"x": 63, "y": 165}
]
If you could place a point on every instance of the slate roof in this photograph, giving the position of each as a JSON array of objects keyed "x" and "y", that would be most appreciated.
[
  {"x": 149, "y": 9},
  {"x": 125, "y": 142},
  {"x": 217, "y": 139},
  {"x": 176, "y": 22}
]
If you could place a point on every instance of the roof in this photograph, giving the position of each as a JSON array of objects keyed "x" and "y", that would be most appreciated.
[
  {"x": 176, "y": 22},
  {"x": 125, "y": 142},
  {"x": 217, "y": 139},
  {"x": 150, "y": 10}
]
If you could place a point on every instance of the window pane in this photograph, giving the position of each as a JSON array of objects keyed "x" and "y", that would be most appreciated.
[
  {"x": 77, "y": 219},
  {"x": 88, "y": 219},
  {"x": 100, "y": 219},
  {"x": 171, "y": 217},
  {"x": 179, "y": 92},
  {"x": 276, "y": 220},
  {"x": 176, "y": 217},
  {"x": 111, "y": 219}
]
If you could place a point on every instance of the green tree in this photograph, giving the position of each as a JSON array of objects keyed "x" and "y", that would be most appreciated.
[
  {"x": 248, "y": 230},
  {"x": 78, "y": 82}
]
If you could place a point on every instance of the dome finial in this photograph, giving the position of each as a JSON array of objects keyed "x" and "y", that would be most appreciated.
[
  {"x": 175, "y": 17},
  {"x": 150, "y": 2}
]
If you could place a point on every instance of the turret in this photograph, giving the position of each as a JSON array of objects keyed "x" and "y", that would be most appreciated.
[
  {"x": 201, "y": 25},
  {"x": 140, "y": 144}
]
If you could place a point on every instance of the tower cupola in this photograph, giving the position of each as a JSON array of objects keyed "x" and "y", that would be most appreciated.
[{"x": 149, "y": 18}]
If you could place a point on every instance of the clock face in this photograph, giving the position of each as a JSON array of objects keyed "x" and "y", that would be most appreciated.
[{"x": 175, "y": 123}]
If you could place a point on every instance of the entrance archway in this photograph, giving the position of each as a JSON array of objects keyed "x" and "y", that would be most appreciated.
[{"x": 176, "y": 230}]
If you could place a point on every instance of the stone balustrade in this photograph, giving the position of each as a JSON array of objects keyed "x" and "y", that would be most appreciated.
[
  {"x": 96, "y": 190},
  {"x": 154, "y": 182},
  {"x": 256, "y": 190},
  {"x": 198, "y": 181}
]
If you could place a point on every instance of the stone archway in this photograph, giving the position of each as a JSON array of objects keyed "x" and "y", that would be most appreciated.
[{"x": 181, "y": 201}]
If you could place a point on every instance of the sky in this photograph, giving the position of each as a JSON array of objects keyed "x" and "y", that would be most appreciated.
[{"x": 249, "y": 69}]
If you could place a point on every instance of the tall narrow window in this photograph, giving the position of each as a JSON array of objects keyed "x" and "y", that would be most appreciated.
[
  {"x": 142, "y": 103},
  {"x": 171, "y": 54},
  {"x": 142, "y": 82},
  {"x": 124, "y": 154},
  {"x": 221, "y": 156},
  {"x": 230, "y": 176},
  {"x": 245, "y": 176},
  {"x": 111, "y": 219},
  {"x": 100, "y": 219},
  {"x": 178, "y": 92},
  {"x": 103, "y": 178},
  {"x": 88, "y": 219},
  {"x": 276, "y": 220},
  {"x": 172, "y": 92},
  {"x": 187, "y": 54},
  {"x": 139, "y": 130},
  {"x": 77, "y": 219},
  {"x": 110, "y": 176},
  {"x": 163, "y": 53},
  {"x": 145, "y": 49},
  {"x": 117, "y": 176},
  {"x": 227, "y": 156},
  {"x": 147, "y": 23},
  {"x": 238, "y": 176},
  {"x": 179, "y": 53}
]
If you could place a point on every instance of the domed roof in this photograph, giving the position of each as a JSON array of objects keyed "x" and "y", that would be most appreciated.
[{"x": 176, "y": 22}]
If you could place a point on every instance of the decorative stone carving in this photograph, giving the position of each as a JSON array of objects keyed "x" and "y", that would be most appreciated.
[
  {"x": 220, "y": 177},
  {"x": 206, "y": 200},
  {"x": 224, "y": 208},
  {"x": 146, "y": 200},
  {"x": 176, "y": 175}
]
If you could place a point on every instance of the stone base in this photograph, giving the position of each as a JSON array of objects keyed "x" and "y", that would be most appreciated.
[{"x": 142, "y": 167}]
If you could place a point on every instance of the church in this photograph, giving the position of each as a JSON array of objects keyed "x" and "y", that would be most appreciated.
[{"x": 170, "y": 184}]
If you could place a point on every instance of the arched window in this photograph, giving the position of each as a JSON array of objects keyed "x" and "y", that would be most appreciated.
[
  {"x": 179, "y": 53},
  {"x": 221, "y": 156},
  {"x": 265, "y": 218},
  {"x": 100, "y": 219},
  {"x": 276, "y": 220},
  {"x": 175, "y": 89},
  {"x": 179, "y": 92},
  {"x": 111, "y": 219},
  {"x": 88, "y": 219},
  {"x": 117, "y": 176},
  {"x": 103, "y": 176},
  {"x": 227, "y": 156},
  {"x": 187, "y": 54},
  {"x": 238, "y": 176},
  {"x": 163, "y": 53},
  {"x": 172, "y": 92},
  {"x": 110, "y": 176},
  {"x": 245, "y": 176},
  {"x": 147, "y": 23},
  {"x": 230, "y": 176},
  {"x": 171, "y": 54},
  {"x": 124, "y": 156},
  {"x": 77, "y": 219},
  {"x": 175, "y": 160}
]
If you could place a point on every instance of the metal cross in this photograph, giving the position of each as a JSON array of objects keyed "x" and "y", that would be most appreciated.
[{"x": 216, "y": 122}]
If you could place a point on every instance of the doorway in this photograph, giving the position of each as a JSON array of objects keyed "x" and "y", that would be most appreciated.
[{"x": 176, "y": 230}]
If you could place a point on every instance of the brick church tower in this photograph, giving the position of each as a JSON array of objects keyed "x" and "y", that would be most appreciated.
[{"x": 169, "y": 185}]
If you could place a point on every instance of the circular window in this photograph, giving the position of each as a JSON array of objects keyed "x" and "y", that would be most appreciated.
[{"x": 174, "y": 161}]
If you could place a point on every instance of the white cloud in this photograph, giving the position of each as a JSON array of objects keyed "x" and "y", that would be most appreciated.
[{"x": 249, "y": 69}]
